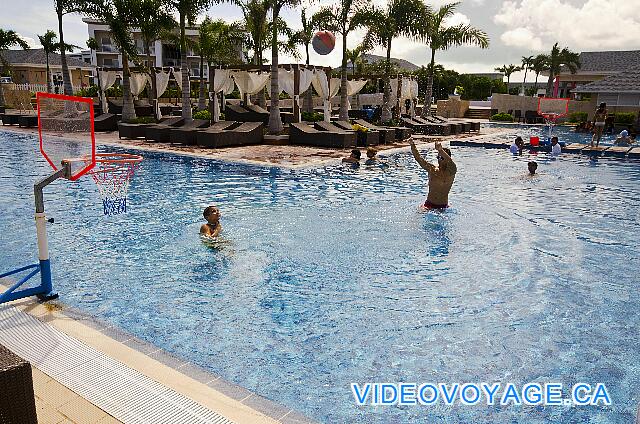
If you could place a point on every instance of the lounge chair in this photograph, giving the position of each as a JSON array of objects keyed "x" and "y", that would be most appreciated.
[
  {"x": 236, "y": 134},
  {"x": 468, "y": 126},
  {"x": 306, "y": 135},
  {"x": 387, "y": 135},
  {"x": 106, "y": 122},
  {"x": 115, "y": 108},
  {"x": 452, "y": 127},
  {"x": 160, "y": 132},
  {"x": 143, "y": 108},
  {"x": 457, "y": 126},
  {"x": 416, "y": 126},
  {"x": 532, "y": 117},
  {"x": 364, "y": 139},
  {"x": 427, "y": 128},
  {"x": 28, "y": 121},
  {"x": 186, "y": 134},
  {"x": 130, "y": 130},
  {"x": 10, "y": 119}
]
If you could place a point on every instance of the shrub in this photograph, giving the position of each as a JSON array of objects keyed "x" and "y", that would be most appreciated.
[
  {"x": 115, "y": 91},
  {"x": 502, "y": 117},
  {"x": 91, "y": 91},
  {"x": 624, "y": 118},
  {"x": 202, "y": 114},
  {"x": 578, "y": 117},
  {"x": 312, "y": 116}
]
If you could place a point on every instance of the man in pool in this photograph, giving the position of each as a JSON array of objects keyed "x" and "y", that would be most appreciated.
[
  {"x": 533, "y": 166},
  {"x": 354, "y": 158},
  {"x": 213, "y": 227},
  {"x": 440, "y": 177}
]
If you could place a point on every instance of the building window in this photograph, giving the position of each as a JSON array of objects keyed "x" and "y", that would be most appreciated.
[{"x": 629, "y": 99}]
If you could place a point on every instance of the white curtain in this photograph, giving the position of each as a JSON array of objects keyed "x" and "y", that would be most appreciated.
[
  {"x": 414, "y": 97},
  {"x": 137, "y": 82},
  {"x": 222, "y": 82},
  {"x": 334, "y": 87},
  {"x": 353, "y": 88},
  {"x": 321, "y": 85},
  {"x": 250, "y": 82},
  {"x": 162, "y": 81},
  {"x": 178, "y": 77},
  {"x": 285, "y": 81},
  {"x": 107, "y": 79}
]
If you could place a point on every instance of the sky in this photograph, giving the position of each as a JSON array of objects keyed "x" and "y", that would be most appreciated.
[{"x": 516, "y": 28}]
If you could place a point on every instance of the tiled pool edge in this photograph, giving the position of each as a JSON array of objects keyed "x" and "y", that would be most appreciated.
[
  {"x": 264, "y": 406},
  {"x": 260, "y": 403}
]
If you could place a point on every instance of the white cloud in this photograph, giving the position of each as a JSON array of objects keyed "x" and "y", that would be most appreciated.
[
  {"x": 33, "y": 44},
  {"x": 522, "y": 37},
  {"x": 593, "y": 25},
  {"x": 457, "y": 19}
]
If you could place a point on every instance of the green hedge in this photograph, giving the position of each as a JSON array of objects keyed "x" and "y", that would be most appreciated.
[
  {"x": 502, "y": 117},
  {"x": 624, "y": 118},
  {"x": 312, "y": 116},
  {"x": 578, "y": 117}
]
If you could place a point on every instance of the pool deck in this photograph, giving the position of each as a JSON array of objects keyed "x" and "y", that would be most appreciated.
[
  {"x": 86, "y": 371},
  {"x": 284, "y": 156}
]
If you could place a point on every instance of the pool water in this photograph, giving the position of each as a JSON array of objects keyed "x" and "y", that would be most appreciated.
[{"x": 333, "y": 276}]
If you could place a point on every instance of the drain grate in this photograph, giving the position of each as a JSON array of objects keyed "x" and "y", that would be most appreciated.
[{"x": 122, "y": 392}]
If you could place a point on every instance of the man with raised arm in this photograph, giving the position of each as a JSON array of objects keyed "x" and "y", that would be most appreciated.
[{"x": 440, "y": 177}]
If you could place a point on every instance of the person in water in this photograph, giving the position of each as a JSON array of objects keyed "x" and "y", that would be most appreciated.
[
  {"x": 213, "y": 227},
  {"x": 556, "y": 149},
  {"x": 599, "y": 122},
  {"x": 517, "y": 146},
  {"x": 533, "y": 166},
  {"x": 440, "y": 177},
  {"x": 371, "y": 156},
  {"x": 623, "y": 140},
  {"x": 354, "y": 158}
]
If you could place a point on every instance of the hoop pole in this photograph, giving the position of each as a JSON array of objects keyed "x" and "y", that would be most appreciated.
[{"x": 45, "y": 290}]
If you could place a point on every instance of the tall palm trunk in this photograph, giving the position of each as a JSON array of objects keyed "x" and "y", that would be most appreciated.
[
  {"x": 49, "y": 87},
  {"x": 201, "y": 101},
  {"x": 275, "y": 124},
  {"x": 550, "y": 84},
  {"x": 66, "y": 77},
  {"x": 535, "y": 87},
  {"x": 385, "y": 116},
  {"x": 261, "y": 96},
  {"x": 152, "y": 93},
  {"x": 524, "y": 81},
  {"x": 186, "y": 86},
  {"x": 308, "y": 101},
  {"x": 344, "y": 110},
  {"x": 426, "y": 109},
  {"x": 128, "y": 110}
]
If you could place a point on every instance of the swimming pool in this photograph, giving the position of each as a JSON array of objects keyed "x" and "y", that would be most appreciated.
[{"x": 332, "y": 276}]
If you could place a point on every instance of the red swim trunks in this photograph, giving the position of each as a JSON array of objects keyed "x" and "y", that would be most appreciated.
[{"x": 429, "y": 205}]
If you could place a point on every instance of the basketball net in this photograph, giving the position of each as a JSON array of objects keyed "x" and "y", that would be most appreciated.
[
  {"x": 552, "y": 109},
  {"x": 112, "y": 174}
]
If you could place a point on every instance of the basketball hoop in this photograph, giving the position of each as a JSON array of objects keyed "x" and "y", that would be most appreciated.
[
  {"x": 552, "y": 109},
  {"x": 112, "y": 174}
]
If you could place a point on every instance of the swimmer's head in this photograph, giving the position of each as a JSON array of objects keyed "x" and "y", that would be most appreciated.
[
  {"x": 554, "y": 140},
  {"x": 624, "y": 133},
  {"x": 371, "y": 153},
  {"x": 355, "y": 153},
  {"x": 602, "y": 105},
  {"x": 533, "y": 166},
  {"x": 211, "y": 214},
  {"x": 519, "y": 142},
  {"x": 441, "y": 162}
]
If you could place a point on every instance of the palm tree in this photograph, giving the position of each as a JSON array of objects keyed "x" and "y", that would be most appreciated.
[
  {"x": 527, "y": 61},
  {"x": 275, "y": 123},
  {"x": 121, "y": 17},
  {"x": 441, "y": 37},
  {"x": 50, "y": 45},
  {"x": 154, "y": 21},
  {"x": 398, "y": 18},
  {"x": 62, "y": 8},
  {"x": 8, "y": 39},
  {"x": 188, "y": 10},
  {"x": 217, "y": 46},
  {"x": 539, "y": 65},
  {"x": 508, "y": 70},
  {"x": 556, "y": 60},
  {"x": 343, "y": 18},
  {"x": 304, "y": 37}
]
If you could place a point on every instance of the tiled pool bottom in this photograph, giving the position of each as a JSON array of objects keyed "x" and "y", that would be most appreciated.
[{"x": 332, "y": 276}]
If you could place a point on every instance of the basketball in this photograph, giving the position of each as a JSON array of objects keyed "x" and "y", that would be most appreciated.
[{"x": 323, "y": 42}]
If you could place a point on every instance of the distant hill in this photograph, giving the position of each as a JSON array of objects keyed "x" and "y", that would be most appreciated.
[{"x": 401, "y": 63}]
